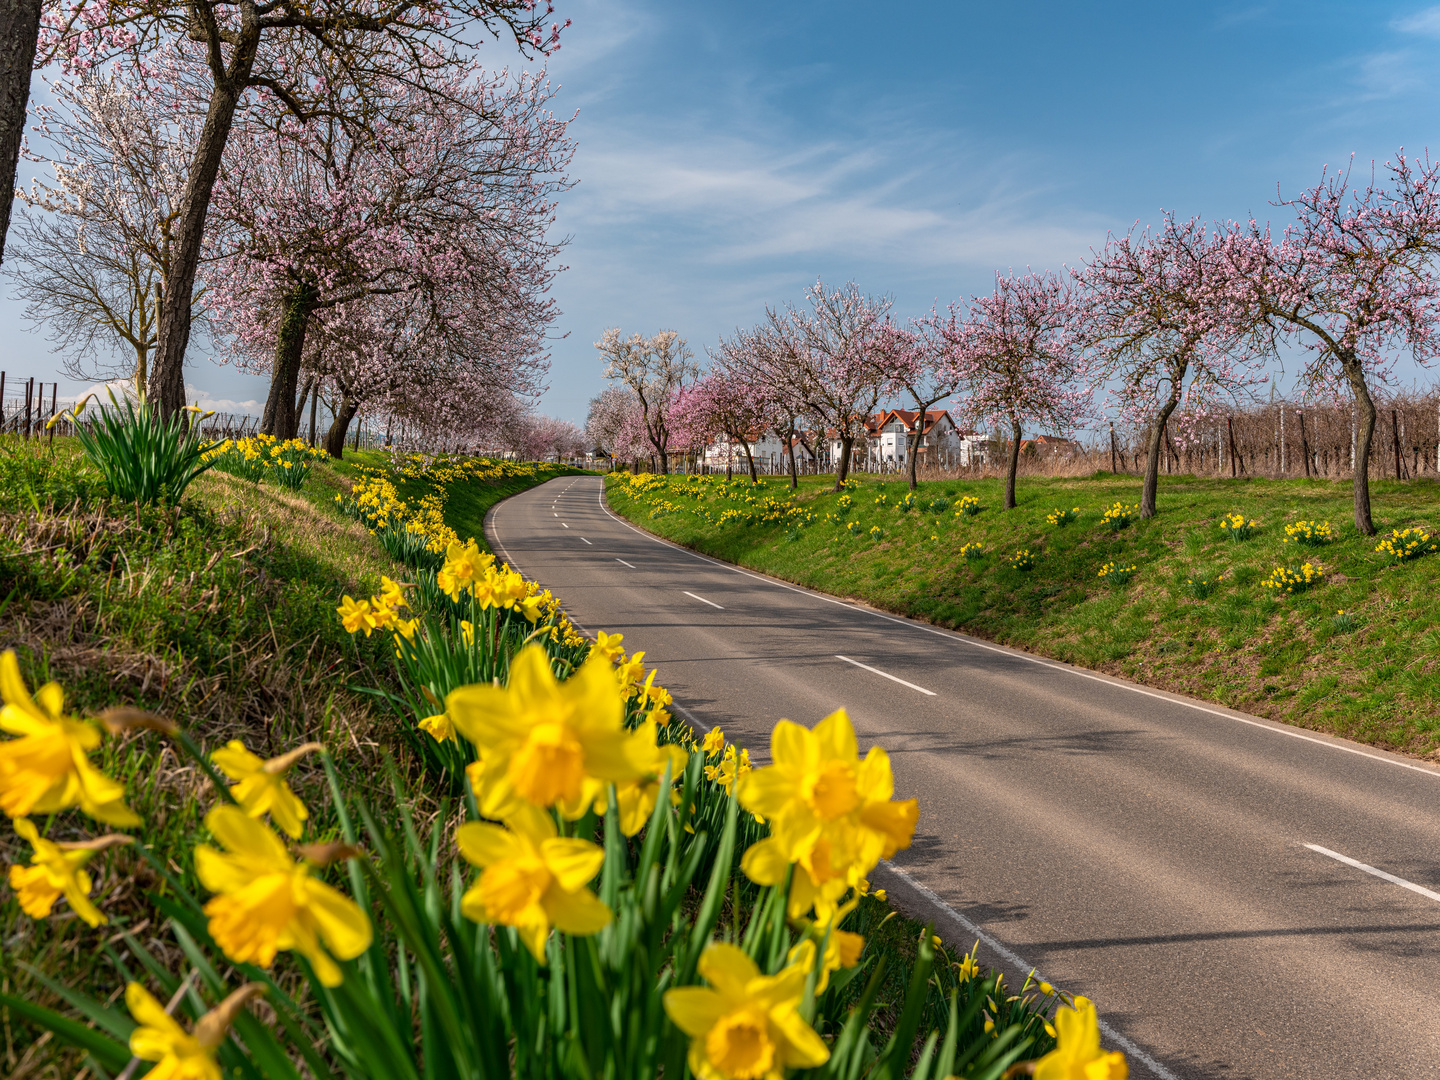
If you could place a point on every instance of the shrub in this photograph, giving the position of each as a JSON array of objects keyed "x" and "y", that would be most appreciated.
[
  {"x": 967, "y": 506},
  {"x": 1023, "y": 559},
  {"x": 1289, "y": 579},
  {"x": 1236, "y": 527},
  {"x": 1119, "y": 516},
  {"x": 1113, "y": 573},
  {"x": 1310, "y": 533},
  {"x": 1060, "y": 518},
  {"x": 144, "y": 458},
  {"x": 1402, "y": 545}
]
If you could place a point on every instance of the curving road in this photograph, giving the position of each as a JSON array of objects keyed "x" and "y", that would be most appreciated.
[{"x": 1241, "y": 898}]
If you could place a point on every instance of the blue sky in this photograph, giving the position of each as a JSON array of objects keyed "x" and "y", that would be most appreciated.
[{"x": 731, "y": 153}]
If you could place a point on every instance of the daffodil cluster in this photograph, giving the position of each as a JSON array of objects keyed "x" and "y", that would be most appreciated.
[
  {"x": 1238, "y": 527},
  {"x": 973, "y": 551},
  {"x": 1119, "y": 516},
  {"x": 967, "y": 506},
  {"x": 1289, "y": 579},
  {"x": 1309, "y": 533},
  {"x": 263, "y": 457},
  {"x": 1113, "y": 573},
  {"x": 1402, "y": 545},
  {"x": 1023, "y": 559},
  {"x": 1061, "y": 517},
  {"x": 383, "y": 611}
]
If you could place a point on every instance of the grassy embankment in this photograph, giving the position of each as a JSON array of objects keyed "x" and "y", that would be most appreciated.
[
  {"x": 1374, "y": 677},
  {"x": 219, "y": 614}
]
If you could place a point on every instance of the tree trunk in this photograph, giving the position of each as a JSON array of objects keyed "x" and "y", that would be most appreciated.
[
  {"x": 335, "y": 438},
  {"x": 281, "y": 417},
  {"x": 794, "y": 470},
  {"x": 1152, "y": 458},
  {"x": 842, "y": 467},
  {"x": 914, "y": 445},
  {"x": 167, "y": 373},
  {"x": 749, "y": 460},
  {"x": 1365, "y": 430},
  {"x": 1014, "y": 463},
  {"x": 19, "y": 31}
]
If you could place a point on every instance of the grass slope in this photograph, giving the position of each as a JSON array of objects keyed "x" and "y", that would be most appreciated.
[{"x": 1281, "y": 657}]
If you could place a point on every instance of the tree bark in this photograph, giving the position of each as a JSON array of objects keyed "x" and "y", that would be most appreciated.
[
  {"x": 19, "y": 31},
  {"x": 1152, "y": 458},
  {"x": 1365, "y": 429},
  {"x": 1014, "y": 463},
  {"x": 749, "y": 458},
  {"x": 915, "y": 449},
  {"x": 167, "y": 373},
  {"x": 794, "y": 470},
  {"x": 842, "y": 467},
  {"x": 281, "y": 417},
  {"x": 335, "y": 438}
]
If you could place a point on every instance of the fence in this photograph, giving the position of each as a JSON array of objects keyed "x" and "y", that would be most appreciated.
[{"x": 26, "y": 405}]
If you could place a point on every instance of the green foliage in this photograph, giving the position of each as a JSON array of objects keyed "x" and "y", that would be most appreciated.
[{"x": 143, "y": 458}]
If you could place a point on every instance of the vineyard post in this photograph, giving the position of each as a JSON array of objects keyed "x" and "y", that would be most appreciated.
[
  {"x": 54, "y": 408},
  {"x": 1304, "y": 443},
  {"x": 1395, "y": 435},
  {"x": 1282, "y": 442},
  {"x": 29, "y": 394},
  {"x": 1114, "y": 466}
]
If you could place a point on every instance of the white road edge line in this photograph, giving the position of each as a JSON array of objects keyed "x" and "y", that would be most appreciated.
[
  {"x": 1358, "y": 865},
  {"x": 587, "y": 541},
  {"x": 703, "y": 600},
  {"x": 885, "y": 674},
  {"x": 962, "y": 640},
  {"x": 1111, "y": 1035},
  {"x": 624, "y": 563}
]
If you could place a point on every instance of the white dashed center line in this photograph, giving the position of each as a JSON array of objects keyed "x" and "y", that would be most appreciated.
[
  {"x": 587, "y": 541},
  {"x": 885, "y": 675},
  {"x": 624, "y": 563},
  {"x": 702, "y": 600},
  {"x": 1381, "y": 874}
]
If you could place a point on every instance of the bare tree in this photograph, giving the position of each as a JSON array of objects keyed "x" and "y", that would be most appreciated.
[
  {"x": 654, "y": 369},
  {"x": 90, "y": 268}
]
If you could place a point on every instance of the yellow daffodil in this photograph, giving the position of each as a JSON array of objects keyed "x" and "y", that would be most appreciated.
[
  {"x": 268, "y": 902},
  {"x": 1078, "y": 1055},
  {"x": 439, "y": 727},
  {"x": 355, "y": 615},
  {"x": 608, "y": 646},
  {"x": 842, "y": 948},
  {"x": 55, "y": 870},
  {"x": 630, "y": 673},
  {"x": 406, "y": 628},
  {"x": 733, "y": 764},
  {"x": 46, "y": 769},
  {"x": 465, "y": 566},
  {"x": 382, "y": 614},
  {"x": 391, "y": 594},
  {"x": 262, "y": 789},
  {"x": 818, "y": 790},
  {"x": 636, "y": 799},
  {"x": 467, "y": 633},
  {"x": 544, "y": 741},
  {"x": 532, "y": 879},
  {"x": 744, "y": 1025},
  {"x": 713, "y": 742},
  {"x": 182, "y": 1055}
]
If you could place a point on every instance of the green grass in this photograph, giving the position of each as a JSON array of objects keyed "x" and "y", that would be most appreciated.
[{"x": 1281, "y": 657}]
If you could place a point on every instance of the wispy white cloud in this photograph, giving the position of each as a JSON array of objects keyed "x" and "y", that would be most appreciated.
[
  {"x": 1424, "y": 23},
  {"x": 196, "y": 396}
]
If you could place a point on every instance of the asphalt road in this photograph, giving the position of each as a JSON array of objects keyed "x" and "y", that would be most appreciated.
[{"x": 1143, "y": 849}]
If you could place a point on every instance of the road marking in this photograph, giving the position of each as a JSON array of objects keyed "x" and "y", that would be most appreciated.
[
  {"x": 885, "y": 675},
  {"x": 563, "y": 525},
  {"x": 703, "y": 600},
  {"x": 1429, "y": 894},
  {"x": 1016, "y": 654},
  {"x": 623, "y": 562},
  {"x": 587, "y": 541},
  {"x": 554, "y": 515}
]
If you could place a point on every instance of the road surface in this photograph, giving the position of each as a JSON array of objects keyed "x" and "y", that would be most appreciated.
[{"x": 1240, "y": 898}]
